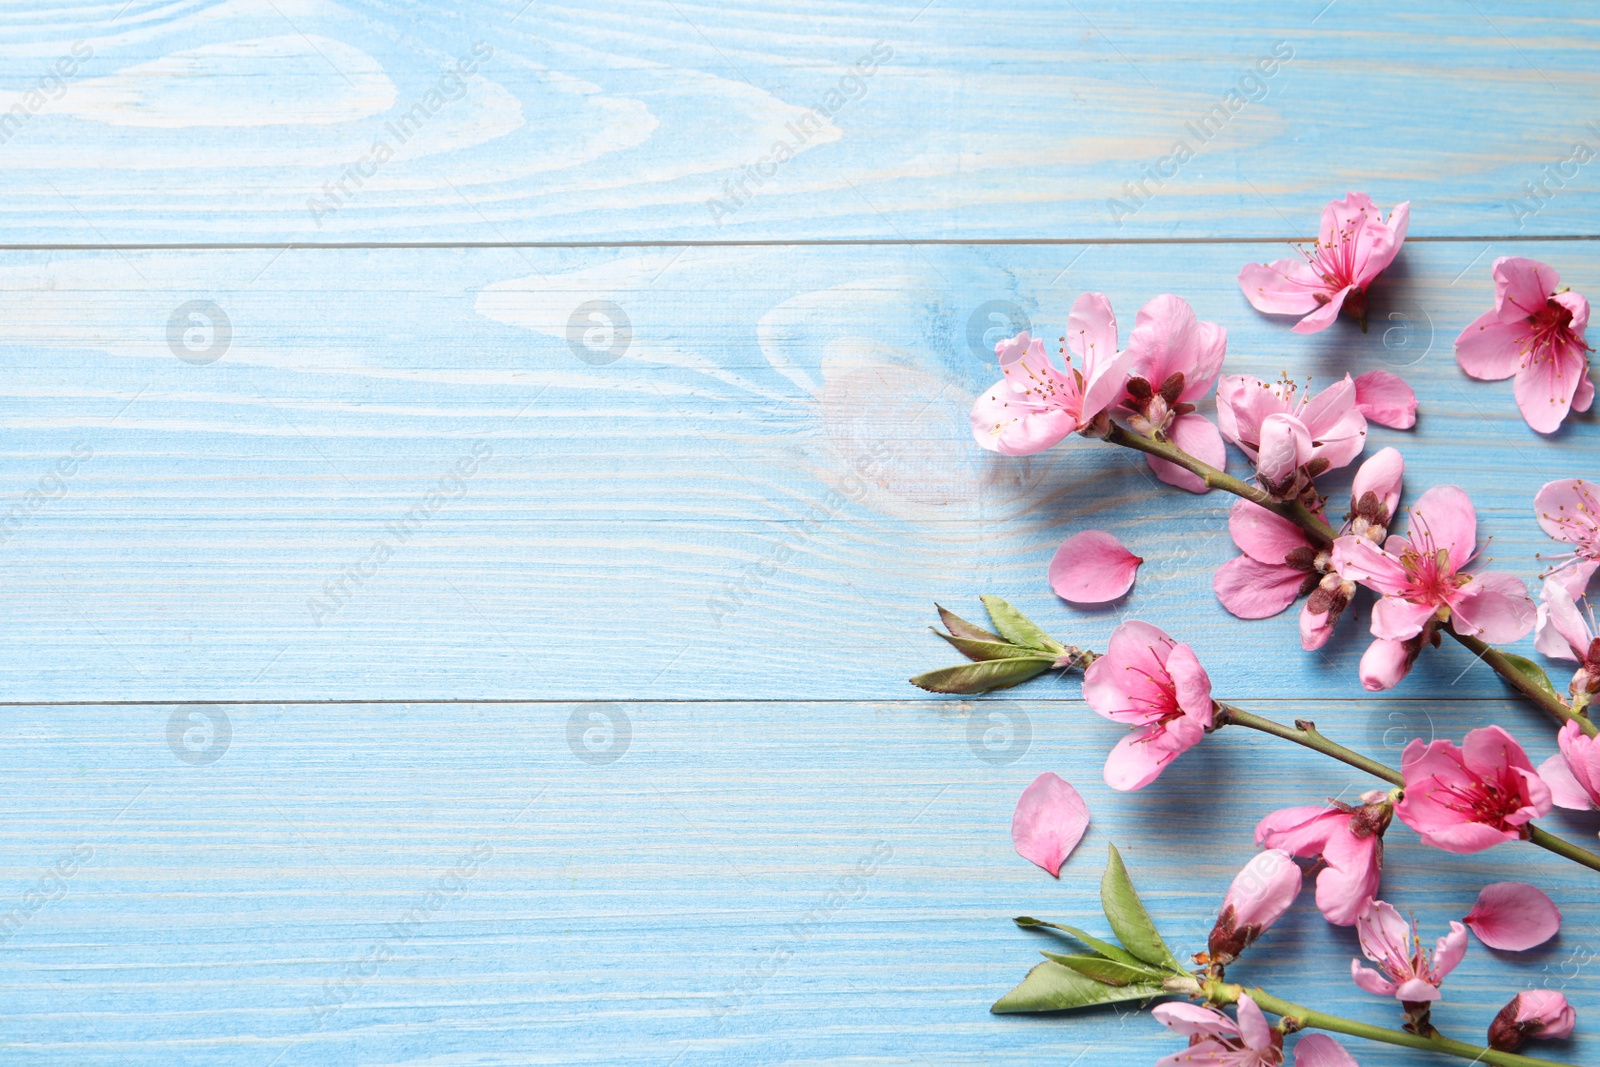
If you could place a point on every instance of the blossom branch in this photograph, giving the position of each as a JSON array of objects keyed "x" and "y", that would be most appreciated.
[
  {"x": 1300, "y": 1018},
  {"x": 1322, "y": 535}
]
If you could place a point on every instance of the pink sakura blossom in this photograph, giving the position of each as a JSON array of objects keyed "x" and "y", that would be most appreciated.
[
  {"x": 1035, "y": 405},
  {"x": 1408, "y": 973},
  {"x": 1421, "y": 577},
  {"x": 1258, "y": 897},
  {"x": 1320, "y": 1050},
  {"x": 1384, "y": 397},
  {"x": 1348, "y": 840},
  {"x": 1569, "y": 511},
  {"x": 1150, "y": 682},
  {"x": 1049, "y": 822},
  {"x": 1573, "y": 775},
  {"x": 1470, "y": 798},
  {"x": 1290, "y": 439},
  {"x": 1534, "y": 332},
  {"x": 1562, "y": 632},
  {"x": 1277, "y": 568},
  {"x": 1280, "y": 564},
  {"x": 1532, "y": 1014},
  {"x": 1352, "y": 249},
  {"x": 1217, "y": 1040},
  {"x": 1092, "y": 567},
  {"x": 1174, "y": 361},
  {"x": 1513, "y": 916}
]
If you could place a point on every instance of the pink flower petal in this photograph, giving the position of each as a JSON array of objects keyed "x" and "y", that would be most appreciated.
[
  {"x": 1384, "y": 398},
  {"x": 1282, "y": 287},
  {"x": 1251, "y": 589},
  {"x": 1565, "y": 789},
  {"x": 1521, "y": 286},
  {"x": 1494, "y": 607},
  {"x": 1134, "y": 762},
  {"x": 1049, "y": 822},
  {"x": 1445, "y": 512},
  {"x": 1382, "y": 475},
  {"x": 1092, "y": 567},
  {"x": 1320, "y": 1050},
  {"x": 1384, "y": 665},
  {"x": 1371, "y": 980},
  {"x": 1513, "y": 916},
  {"x": 1545, "y": 388},
  {"x": 1263, "y": 535},
  {"x": 1092, "y": 330},
  {"x": 1285, "y": 446},
  {"x": 1324, "y": 316},
  {"x": 1489, "y": 349},
  {"x": 1198, "y": 436}
]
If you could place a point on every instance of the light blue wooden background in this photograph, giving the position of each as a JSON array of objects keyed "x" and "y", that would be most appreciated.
[{"x": 726, "y": 542}]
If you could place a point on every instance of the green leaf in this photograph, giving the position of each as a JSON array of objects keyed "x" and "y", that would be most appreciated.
[
  {"x": 1052, "y": 987},
  {"x": 1018, "y": 628},
  {"x": 1105, "y": 948},
  {"x": 981, "y": 650},
  {"x": 981, "y": 677},
  {"x": 1531, "y": 671},
  {"x": 962, "y": 628},
  {"x": 1128, "y": 917},
  {"x": 1110, "y": 972}
]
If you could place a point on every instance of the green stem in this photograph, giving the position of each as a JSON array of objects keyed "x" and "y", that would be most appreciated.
[
  {"x": 1305, "y": 1018},
  {"x": 1322, "y": 535},
  {"x": 1306, "y": 734}
]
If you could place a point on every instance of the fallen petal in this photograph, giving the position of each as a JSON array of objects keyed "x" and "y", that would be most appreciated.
[
  {"x": 1049, "y": 822},
  {"x": 1384, "y": 398},
  {"x": 1513, "y": 916},
  {"x": 1092, "y": 567},
  {"x": 1320, "y": 1050}
]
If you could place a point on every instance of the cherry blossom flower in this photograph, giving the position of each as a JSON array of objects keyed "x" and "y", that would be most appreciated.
[
  {"x": 1470, "y": 798},
  {"x": 1562, "y": 632},
  {"x": 1384, "y": 397},
  {"x": 1218, "y": 1040},
  {"x": 1405, "y": 970},
  {"x": 1050, "y": 820},
  {"x": 1035, "y": 405},
  {"x": 1174, "y": 361},
  {"x": 1320, "y": 1050},
  {"x": 1421, "y": 577},
  {"x": 1569, "y": 511},
  {"x": 1513, "y": 916},
  {"x": 1150, "y": 682},
  {"x": 1277, "y": 568},
  {"x": 1374, "y": 495},
  {"x": 1348, "y": 840},
  {"x": 1532, "y": 1014},
  {"x": 1535, "y": 333},
  {"x": 1291, "y": 439},
  {"x": 1573, "y": 775},
  {"x": 1092, "y": 567},
  {"x": 1258, "y": 897},
  {"x": 1352, "y": 249}
]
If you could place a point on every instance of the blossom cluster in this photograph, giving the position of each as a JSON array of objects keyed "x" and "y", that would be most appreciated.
[{"x": 1418, "y": 571}]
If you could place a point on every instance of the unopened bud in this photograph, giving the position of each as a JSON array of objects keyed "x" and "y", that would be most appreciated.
[
  {"x": 1533, "y": 1014},
  {"x": 1260, "y": 893}
]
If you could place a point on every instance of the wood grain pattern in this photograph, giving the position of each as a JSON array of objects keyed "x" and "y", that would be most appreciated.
[
  {"x": 745, "y": 883},
  {"x": 434, "y": 651},
  {"x": 218, "y": 123}
]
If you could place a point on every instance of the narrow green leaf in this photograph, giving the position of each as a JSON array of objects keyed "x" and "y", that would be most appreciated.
[
  {"x": 981, "y": 677},
  {"x": 1531, "y": 671},
  {"x": 981, "y": 650},
  {"x": 1128, "y": 918},
  {"x": 962, "y": 628},
  {"x": 1052, "y": 987},
  {"x": 1105, "y": 948},
  {"x": 1110, "y": 972},
  {"x": 1018, "y": 628}
]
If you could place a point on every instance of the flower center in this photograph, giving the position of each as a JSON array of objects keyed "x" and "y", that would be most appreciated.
[{"x": 1481, "y": 801}]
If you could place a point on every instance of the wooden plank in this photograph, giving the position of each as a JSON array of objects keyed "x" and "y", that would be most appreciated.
[
  {"x": 744, "y": 882},
  {"x": 762, "y": 496},
  {"x": 655, "y": 119}
]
